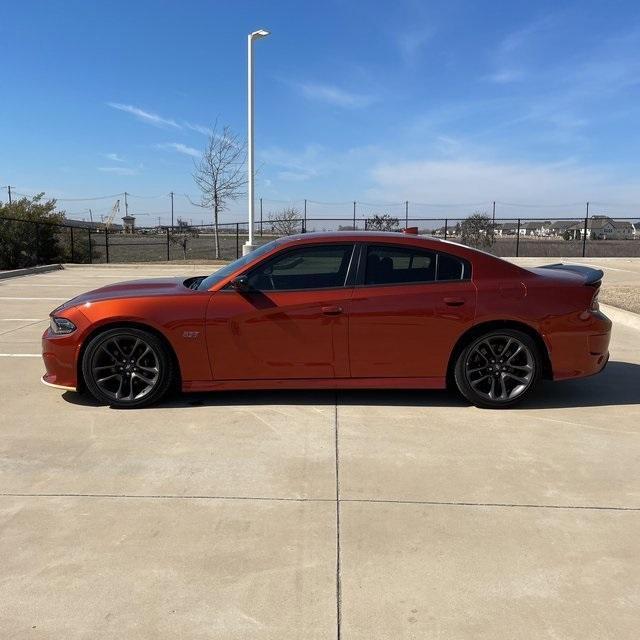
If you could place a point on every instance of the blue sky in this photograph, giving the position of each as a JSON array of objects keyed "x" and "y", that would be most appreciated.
[{"x": 451, "y": 103}]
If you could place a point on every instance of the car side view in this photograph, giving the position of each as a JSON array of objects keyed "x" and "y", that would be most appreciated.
[{"x": 343, "y": 310}]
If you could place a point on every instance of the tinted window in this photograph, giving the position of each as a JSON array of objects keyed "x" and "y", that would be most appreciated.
[
  {"x": 313, "y": 267},
  {"x": 394, "y": 265},
  {"x": 451, "y": 268}
]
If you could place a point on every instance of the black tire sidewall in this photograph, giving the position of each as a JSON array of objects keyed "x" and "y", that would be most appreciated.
[
  {"x": 164, "y": 359},
  {"x": 469, "y": 392}
]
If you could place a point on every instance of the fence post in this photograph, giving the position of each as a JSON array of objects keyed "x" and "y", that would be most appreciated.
[
  {"x": 304, "y": 222},
  {"x": 446, "y": 225},
  {"x": 90, "y": 252},
  {"x": 260, "y": 217},
  {"x": 406, "y": 213},
  {"x": 73, "y": 253},
  {"x": 106, "y": 243},
  {"x": 354, "y": 215},
  {"x": 168, "y": 247},
  {"x": 518, "y": 239},
  {"x": 586, "y": 230},
  {"x": 237, "y": 240}
]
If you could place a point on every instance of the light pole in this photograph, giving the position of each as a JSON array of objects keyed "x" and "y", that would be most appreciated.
[{"x": 256, "y": 35}]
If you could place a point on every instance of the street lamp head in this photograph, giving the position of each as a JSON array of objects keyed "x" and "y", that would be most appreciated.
[{"x": 260, "y": 33}]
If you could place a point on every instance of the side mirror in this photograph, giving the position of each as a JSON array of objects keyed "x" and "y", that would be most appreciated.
[{"x": 240, "y": 284}]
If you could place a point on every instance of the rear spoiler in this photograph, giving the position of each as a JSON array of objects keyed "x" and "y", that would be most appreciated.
[{"x": 591, "y": 276}]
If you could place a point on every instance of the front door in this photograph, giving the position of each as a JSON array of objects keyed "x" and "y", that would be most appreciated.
[{"x": 291, "y": 323}]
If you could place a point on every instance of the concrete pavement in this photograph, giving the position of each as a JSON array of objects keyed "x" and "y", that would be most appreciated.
[{"x": 288, "y": 515}]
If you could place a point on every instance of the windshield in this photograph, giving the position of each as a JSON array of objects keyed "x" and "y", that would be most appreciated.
[{"x": 228, "y": 269}]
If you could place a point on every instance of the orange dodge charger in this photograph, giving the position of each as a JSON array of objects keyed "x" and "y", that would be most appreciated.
[{"x": 345, "y": 310}]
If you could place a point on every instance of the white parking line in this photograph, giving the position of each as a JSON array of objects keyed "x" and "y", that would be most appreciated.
[
  {"x": 20, "y": 355},
  {"x": 22, "y": 319},
  {"x": 15, "y": 298}
]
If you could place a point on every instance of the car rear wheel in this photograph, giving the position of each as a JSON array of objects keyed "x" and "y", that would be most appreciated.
[
  {"x": 498, "y": 369},
  {"x": 127, "y": 367}
]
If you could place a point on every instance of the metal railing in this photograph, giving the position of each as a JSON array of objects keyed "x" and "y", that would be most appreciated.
[{"x": 28, "y": 243}]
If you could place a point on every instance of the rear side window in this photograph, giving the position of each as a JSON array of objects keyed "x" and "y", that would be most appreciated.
[
  {"x": 311, "y": 267},
  {"x": 394, "y": 265},
  {"x": 400, "y": 265},
  {"x": 452, "y": 268}
]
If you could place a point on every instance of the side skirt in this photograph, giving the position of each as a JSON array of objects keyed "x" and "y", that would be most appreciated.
[{"x": 315, "y": 383}]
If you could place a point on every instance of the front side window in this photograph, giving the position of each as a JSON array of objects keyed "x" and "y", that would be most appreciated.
[
  {"x": 311, "y": 267},
  {"x": 402, "y": 265}
]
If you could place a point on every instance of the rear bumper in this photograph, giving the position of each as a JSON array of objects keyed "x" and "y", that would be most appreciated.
[{"x": 582, "y": 351}]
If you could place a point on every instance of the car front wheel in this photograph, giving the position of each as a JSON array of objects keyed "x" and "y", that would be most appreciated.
[
  {"x": 127, "y": 368},
  {"x": 498, "y": 369}
]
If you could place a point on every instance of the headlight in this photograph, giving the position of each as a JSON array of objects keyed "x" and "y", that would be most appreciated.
[{"x": 60, "y": 326}]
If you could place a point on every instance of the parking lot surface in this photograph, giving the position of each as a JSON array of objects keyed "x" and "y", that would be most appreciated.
[{"x": 354, "y": 515}]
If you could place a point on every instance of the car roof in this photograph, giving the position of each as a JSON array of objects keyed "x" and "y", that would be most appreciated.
[{"x": 357, "y": 236}]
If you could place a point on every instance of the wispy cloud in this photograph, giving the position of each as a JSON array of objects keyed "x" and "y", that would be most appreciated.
[
  {"x": 204, "y": 130},
  {"x": 145, "y": 116},
  {"x": 334, "y": 95},
  {"x": 506, "y": 75},
  {"x": 411, "y": 43},
  {"x": 180, "y": 148},
  {"x": 114, "y": 157},
  {"x": 120, "y": 171}
]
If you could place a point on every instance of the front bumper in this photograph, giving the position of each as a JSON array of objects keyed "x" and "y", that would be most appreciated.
[
  {"x": 59, "y": 354},
  {"x": 47, "y": 379}
]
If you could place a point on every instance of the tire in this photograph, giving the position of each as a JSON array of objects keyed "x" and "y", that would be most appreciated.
[
  {"x": 498, "y": 369},
  {"x": 127, "y": 368}
]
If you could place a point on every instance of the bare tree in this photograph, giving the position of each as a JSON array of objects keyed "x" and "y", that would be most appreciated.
[
  {"x": 221, "y": 174},
  {"x": 285, "y": 222},
  {"x": 383, "y": 222},
  {"x": 478, "y": 231}
]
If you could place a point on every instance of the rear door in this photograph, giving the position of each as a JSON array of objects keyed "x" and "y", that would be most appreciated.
[
  {"x": 291, "y": 323},
  {"x": 408, "y": 309}
]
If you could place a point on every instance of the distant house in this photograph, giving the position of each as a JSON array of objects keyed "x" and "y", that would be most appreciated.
[
  {"x": 507, "y": 229},
  {"x": 558, "y": 227},
  {"x": 539, "y": 229},
  {"x": 603, "y": 228}
]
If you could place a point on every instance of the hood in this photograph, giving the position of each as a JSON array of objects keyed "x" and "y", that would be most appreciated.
[{"x": 131, "y": 289}]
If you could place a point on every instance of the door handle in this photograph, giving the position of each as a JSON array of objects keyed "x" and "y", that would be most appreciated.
[
  {"x": 454, "y": 302},
  {"x": 332, "y": 310}
]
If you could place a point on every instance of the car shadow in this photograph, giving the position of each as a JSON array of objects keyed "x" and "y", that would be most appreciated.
[{"x": 618, "y": 384}]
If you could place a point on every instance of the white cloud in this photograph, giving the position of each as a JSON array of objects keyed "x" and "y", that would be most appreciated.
[
  {"x": 145, "y": 116},
  {"x": 450, "y": 181},
  {"x": 120, "y": 171},
  {"x": 334, "y": 95},
  {"x": 114, "y": 157},
  {"x": 180, "y": 148}
]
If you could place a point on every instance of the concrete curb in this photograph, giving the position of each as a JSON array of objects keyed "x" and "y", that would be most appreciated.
[
  {"x": 16, "y": 273},
  {"x": 621, "y": 316}
]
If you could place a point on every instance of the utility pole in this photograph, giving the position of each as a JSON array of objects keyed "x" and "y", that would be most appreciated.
[
  {"x": 90, "y": 216},
  {"x": 171, "y": 194},
  {"x": 158, "y": 222},
  {"x": 406, "y": 213},
  {"x": 494, "y": 212},
  {"x": 9, "y": 189},
  {"x": 126, "y": 204}
]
